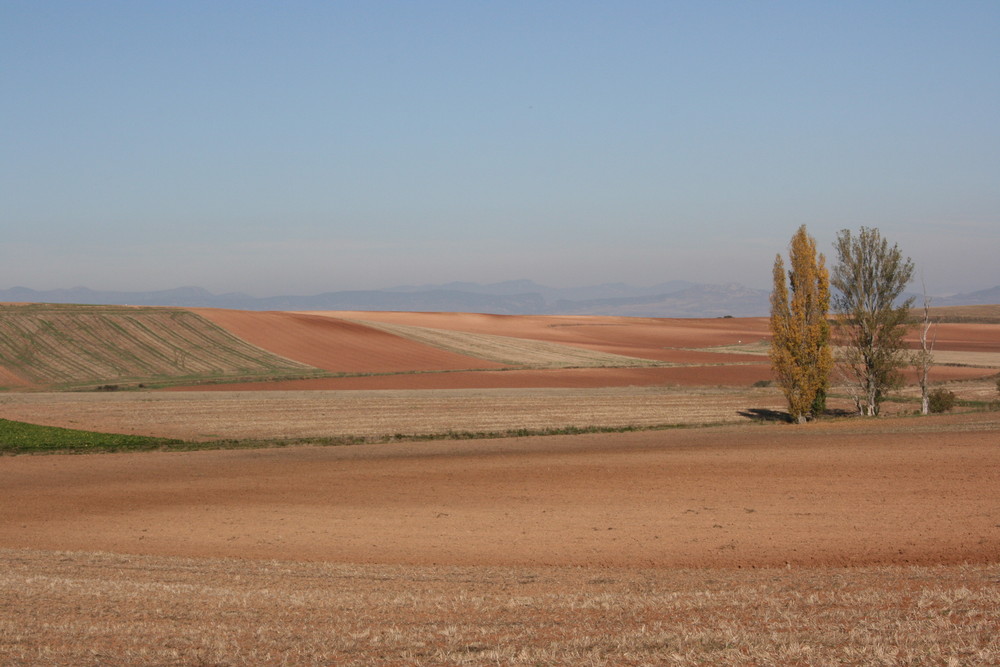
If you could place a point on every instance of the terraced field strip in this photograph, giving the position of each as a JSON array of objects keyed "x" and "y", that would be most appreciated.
[
  {"x": 980, "y": 390},
  {"x": 974, "y": 359},
  {"x": 759, "y": 348},
  {"x": 80, "y": 346},
  {"x": 318, "y": 414},
  {"x": 941, "y": 357},
  {"x": 985, "y": 314},
  {"x": 521, "y": 352}
]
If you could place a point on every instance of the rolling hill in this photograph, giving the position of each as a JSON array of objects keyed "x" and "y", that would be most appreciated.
[{"x": 78, "y": 347}]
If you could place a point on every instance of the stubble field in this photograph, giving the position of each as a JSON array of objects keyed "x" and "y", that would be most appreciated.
[
  {"x": 112, "y": 609},
  {"x": 290, "y": 415},
  {"x": 749, "y": 542}
]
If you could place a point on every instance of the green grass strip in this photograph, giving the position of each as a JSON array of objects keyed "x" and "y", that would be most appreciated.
[{"x": 22, "y": 438}]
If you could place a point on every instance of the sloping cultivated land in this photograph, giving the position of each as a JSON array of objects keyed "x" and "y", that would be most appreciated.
[
  {"x": 338, "y": 345},
  {"x": 87, "y": 346},
  {"x": 510, "y": 350}
]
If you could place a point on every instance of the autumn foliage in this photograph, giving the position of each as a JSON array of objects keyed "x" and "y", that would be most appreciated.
[{"x": 800, "y": 346}]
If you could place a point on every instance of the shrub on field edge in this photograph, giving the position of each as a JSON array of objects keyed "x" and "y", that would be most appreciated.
[{"x": 941, "y": 400}]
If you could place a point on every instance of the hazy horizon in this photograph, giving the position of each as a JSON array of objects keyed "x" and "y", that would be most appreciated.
[
  {"x": 308, "y": 147},
  {"x": 914, "y": 289}
]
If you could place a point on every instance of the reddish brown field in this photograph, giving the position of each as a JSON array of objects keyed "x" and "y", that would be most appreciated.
[
  {"x": 651, "y": 338},
  {"x": 919, "y": 491},
  {"x": 707, "y": 352},
  {"x": 335, "y": 344},
  {"x": 840, "y": 542}
]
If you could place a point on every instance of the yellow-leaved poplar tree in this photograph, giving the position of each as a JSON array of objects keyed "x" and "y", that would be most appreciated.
[{"x": 800, "y": 345}]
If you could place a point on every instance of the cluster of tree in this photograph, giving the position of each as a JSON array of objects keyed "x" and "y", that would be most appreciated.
[{"x": 868, "y": 326}]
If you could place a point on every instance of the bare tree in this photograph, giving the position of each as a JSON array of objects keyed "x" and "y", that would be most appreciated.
[
  {"x": 924, "y": 357},
  {"x": 870, "y": 278}
]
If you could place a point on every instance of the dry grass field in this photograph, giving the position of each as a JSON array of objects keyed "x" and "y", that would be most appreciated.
[
  {"x": 378, "y": 414},
  {"x": 987, "y": 314},
  {"x": 283, "y": 415},
  {"x": 844, "y": 541},
  {"x": 148, "y": 610}
]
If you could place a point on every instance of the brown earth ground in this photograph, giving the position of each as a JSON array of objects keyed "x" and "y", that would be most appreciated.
[
  {"x": 336, "y": 344},
  {"x": 839, "y": 542},
  {"x": 905, "y": 490},
  {"x": 709, "y": 352},
  {"x": 844, "y": 542}
]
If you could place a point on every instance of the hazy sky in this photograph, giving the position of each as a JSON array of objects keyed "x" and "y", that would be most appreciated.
[{"x": 302, "y": 147}]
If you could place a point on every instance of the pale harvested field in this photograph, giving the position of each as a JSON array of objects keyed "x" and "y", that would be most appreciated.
[
  {"x": 983, "y": 391},
  {"x": 205, "y": 415},
  {"x": 981, "y": 313},
  {"x": 844, "y": 542},
  {"x": 509, "y": 350},
  {"x": 149, "y": 610},
  {"x": 644, "y": 338},
  {"x": 962, "y": 358}
]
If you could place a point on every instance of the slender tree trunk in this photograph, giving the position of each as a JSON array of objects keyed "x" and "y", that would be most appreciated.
[{"x": 924, "y": 358}]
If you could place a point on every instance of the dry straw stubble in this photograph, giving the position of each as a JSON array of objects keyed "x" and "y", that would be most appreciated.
[{"x": 146, "y": 610}]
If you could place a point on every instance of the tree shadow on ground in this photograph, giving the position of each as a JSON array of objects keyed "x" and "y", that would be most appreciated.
[
  {"x": 769, "y": 415},
  {"x": 765, "y": 415}
]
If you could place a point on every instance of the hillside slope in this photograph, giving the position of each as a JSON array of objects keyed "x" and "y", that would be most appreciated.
[{"x": 80, "y": 347}]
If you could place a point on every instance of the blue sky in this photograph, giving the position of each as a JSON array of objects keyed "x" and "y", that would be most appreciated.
[{"x": 302, "y": 147}]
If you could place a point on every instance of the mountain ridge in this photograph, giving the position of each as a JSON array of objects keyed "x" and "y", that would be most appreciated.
[{"x": 675, "y": 298}]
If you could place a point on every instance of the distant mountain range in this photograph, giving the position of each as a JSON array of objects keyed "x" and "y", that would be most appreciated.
[
  {"x": 981, "y": 298},
  {"x": 519, "y": 297}
]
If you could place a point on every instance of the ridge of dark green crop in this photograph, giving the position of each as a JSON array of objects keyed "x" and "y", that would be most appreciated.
[{"x": 22, "y": 438}]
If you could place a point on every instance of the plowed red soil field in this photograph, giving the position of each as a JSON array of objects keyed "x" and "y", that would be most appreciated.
[
  {"x": 336, "y": 344},
  {"x": 845, "y": 541},
  {"x": 916, "y": 491},
  {"x": 652, "y": 338},
  {"x": 708, "y": 352}
]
